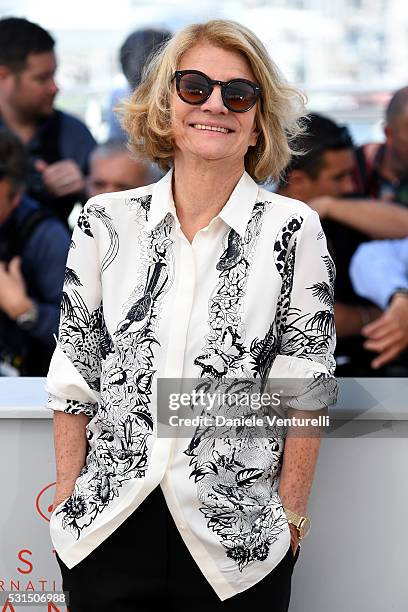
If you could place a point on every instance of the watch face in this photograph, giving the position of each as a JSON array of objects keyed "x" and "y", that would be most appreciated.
[{"x": 28, "y": 319}]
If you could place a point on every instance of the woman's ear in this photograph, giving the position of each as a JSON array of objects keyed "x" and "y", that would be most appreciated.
[{"x": 254, "y": 135}]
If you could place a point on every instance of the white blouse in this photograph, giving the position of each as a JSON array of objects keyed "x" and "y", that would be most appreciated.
[{"x": 251, "y": 296}]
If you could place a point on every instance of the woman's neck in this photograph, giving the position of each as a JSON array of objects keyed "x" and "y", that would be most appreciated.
[{"x": 200, "y": 190}]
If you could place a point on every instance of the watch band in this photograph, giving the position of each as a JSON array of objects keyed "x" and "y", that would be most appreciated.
[
  {"x": 28, "y": 319},
  {"x": 398, "y": 291},
  {"x": 302, "y": 523}
]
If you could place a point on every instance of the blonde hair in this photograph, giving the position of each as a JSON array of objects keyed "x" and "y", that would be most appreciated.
[{"x": 147, "y": 115}]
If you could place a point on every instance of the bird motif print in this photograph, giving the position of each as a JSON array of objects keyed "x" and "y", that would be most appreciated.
[
  {"x": 155, "y": 284},
  {"x": 120, "y": 433},
  {"x": 99, "y": 212},
  {"x": 231, "y": 491},
  {"x": 226, "y": 326}
]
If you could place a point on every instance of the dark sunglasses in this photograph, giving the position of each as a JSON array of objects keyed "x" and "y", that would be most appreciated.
[{"x": 195, "y": 87}]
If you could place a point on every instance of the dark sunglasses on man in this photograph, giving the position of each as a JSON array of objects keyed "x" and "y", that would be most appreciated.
[{"x": 195, "y": 87}]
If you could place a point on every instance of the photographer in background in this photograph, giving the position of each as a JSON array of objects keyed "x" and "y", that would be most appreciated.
[
  {"x": 33, "y": 251},
  {"x": 58, "y": 145}
]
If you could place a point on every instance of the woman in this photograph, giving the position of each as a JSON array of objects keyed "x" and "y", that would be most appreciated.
[{"x": 202, "y": 275}]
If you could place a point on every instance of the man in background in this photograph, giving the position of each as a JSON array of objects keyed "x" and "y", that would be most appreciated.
[
  {"x": 33, "y": 251},
  {"x": 58, "y": 145},
  {"x": 113, "y": 169},
  {"x": 379, "y": 272},
  {"x": 133, "y": 55},
  {"x": 382, "y": 168},
  {"x": 323, "y": 177}
]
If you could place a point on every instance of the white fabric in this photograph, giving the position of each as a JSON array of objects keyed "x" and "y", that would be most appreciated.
[{"x": 252, "y": 296}]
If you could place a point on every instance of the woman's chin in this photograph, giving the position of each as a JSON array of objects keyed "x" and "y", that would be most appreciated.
[{"x": 211, "y": 153}]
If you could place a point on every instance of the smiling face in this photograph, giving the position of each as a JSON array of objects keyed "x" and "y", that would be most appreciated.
[{"x": 210, "y": 131}]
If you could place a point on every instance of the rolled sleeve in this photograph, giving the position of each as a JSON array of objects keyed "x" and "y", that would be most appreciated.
[
  {"x": 73, "y": 380},
  {"x": 305, "y": 363}
]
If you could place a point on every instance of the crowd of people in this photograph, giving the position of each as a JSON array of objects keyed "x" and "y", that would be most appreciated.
[{"x": 49, "y": 161}]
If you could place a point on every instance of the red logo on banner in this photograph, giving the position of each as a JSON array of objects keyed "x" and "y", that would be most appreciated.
[
  {"x": 44, "y": 500},
  {"x": 50, "y": 608}
]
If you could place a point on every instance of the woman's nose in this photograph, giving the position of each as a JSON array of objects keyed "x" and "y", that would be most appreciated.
[{"x": 215, "y": 102}]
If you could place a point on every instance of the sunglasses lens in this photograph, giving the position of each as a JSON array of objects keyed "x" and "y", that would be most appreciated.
[
  {"x": 239, "y": 96},
  {"x": 193, "y": 88}
]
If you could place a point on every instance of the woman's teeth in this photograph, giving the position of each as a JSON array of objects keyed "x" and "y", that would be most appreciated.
[{"x": 199, "y": 126}]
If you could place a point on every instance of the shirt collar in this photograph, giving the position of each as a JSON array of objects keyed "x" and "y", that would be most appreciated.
[
  {"x": 236, "y": 212},
  {"x": 162, "y": 201},
  {"x": 238, "y": 209}
]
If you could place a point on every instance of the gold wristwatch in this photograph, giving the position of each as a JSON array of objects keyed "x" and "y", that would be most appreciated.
[{"x": 302, "y": 523}]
